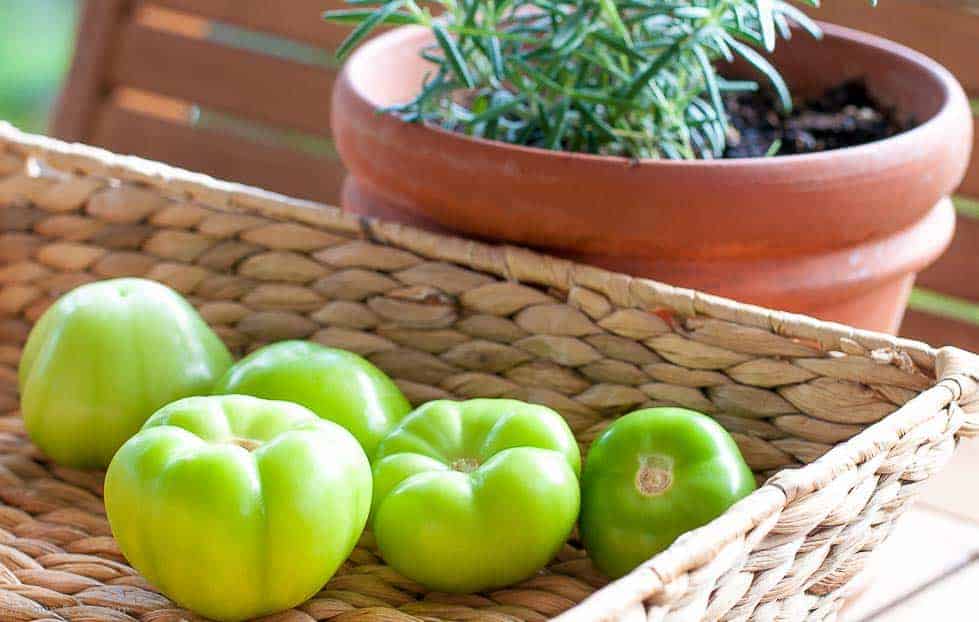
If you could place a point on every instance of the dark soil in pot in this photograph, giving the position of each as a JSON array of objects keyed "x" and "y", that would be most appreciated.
[{"x": 846, "y": 115}]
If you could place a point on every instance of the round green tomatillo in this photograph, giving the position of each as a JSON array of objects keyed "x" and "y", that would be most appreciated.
[
  {"x": 103, "y": 358},
  {"x": 651, "y": 476},
  {"x": 237, "y": 507},
  {"x": 475, "y": 495},
  {"x": 337, "y": 385}
]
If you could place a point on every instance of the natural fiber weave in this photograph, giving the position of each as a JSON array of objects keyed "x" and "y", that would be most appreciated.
[{"x": 870, "y": 415}]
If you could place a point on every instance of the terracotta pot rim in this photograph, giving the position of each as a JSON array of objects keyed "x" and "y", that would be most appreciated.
[{"x": 949, "y": 87}]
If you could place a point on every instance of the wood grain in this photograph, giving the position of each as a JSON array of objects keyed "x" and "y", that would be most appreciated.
[
  {"x": 970, "y": 185},
  {"x": 219, "y": 154},
  {"x": 296, "y": 19},
  {"x": 237, "y": 81},
  {"x": 84, "y": 90},
  {"x": 940, "y": 331},
  {"x": 947, "y": 35},
  {"x": 956, "y": 273}
]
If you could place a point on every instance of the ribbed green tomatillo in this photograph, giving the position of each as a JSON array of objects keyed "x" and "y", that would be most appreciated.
[
  {"x": 475, "y": 495},
  {"x": 237, "y": 507}
]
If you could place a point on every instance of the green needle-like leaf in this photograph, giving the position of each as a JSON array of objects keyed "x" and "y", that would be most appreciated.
[
  {"x": 496, "y": 58},
  {"x": 652, "y": 69},
  {"x": 710, "y": 79},
  {"x": 453, "y": 56},
  {"x": 365, "y": 27},
  {"x": 767, "y": 21},
  {"x": 357, "y": 16},
  {"x": 497, "y": 110},
  {"x": 804, "y": 21},
  {"x": 619, "y": 45},
  {"x": 558, "y": 124},
  {"x": 773, "y": 148},
  {"x": 692, "y": 12},
  {"x": 611, "y": 14},
  {"x": 758, "y": 62}
]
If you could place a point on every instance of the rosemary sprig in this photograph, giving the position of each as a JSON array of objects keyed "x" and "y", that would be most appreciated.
[{"x": 636, "y": 78}]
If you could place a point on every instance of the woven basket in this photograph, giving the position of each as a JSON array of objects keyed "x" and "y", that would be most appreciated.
[{"x": 870, "y": 416}]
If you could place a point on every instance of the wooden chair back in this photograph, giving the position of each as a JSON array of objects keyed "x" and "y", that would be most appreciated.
[{"x": 240, "y": 89}]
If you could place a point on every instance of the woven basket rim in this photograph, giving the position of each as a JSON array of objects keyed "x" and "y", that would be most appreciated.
[
  {"x": 503, "y": 260},
  {"x": 956, "y": 372}
]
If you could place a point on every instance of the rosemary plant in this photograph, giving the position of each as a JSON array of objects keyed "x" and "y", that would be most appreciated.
[{"x": 634, "y": 78}]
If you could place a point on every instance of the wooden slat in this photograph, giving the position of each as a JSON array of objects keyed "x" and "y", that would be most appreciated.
[
  {"x": 956, "y": 273},
  {"x": 221, "y": 155},
  {"x": 240, "y": 82},
  {"x": 83, "y": 92},
  {"x": 294, "y": 19},
  {"x": 970, "y": 185},
  {"x": 155, "y": 105},
  {"x": 172, "y": 21},
  {"x": 940, "y": 331},
  {"x": 959, "y": 5},
  {"x": 947, "y": 35}
]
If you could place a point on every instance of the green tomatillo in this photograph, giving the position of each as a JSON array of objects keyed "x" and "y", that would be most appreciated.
[
  {"x": 103, "y": 358},
  {"x": 475, "y": 495},
  {"x": 337, "y": 385},
  {"x": 237, "y": 507},
  {"x": 651, "y": 476}
]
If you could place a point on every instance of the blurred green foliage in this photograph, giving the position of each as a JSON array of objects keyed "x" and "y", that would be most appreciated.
[{"x": 36, "y": 43}]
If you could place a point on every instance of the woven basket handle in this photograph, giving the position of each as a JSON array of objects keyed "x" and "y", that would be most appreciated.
[{"x": 959, "y": 371}]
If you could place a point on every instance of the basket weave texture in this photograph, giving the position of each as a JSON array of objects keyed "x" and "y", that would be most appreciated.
[{"x": 867, "y": 417}]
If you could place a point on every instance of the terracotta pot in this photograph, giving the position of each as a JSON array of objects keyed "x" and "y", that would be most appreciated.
[{"x": 838, "y": 234}]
